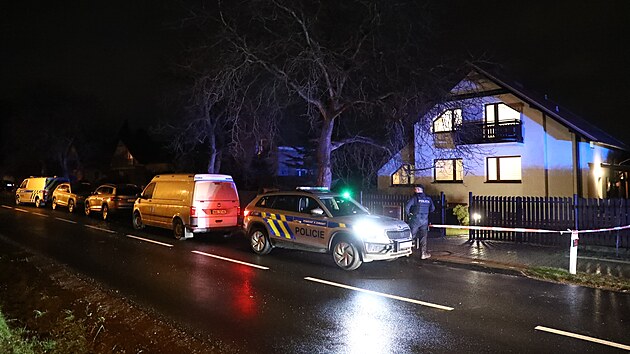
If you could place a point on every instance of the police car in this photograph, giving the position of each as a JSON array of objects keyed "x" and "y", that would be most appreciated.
[{"x": 315, "y": 219}]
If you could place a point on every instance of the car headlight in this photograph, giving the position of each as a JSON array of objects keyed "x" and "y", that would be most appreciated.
[{"x": 369, "y": 231}]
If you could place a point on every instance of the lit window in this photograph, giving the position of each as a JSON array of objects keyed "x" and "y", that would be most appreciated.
[
  {"x": 449, "y": 170},
  {"x": 403, "y": 176},
  {"x": 500, "y": 112},
  {"x": 504, "y": 168},
  {"x": 447, "y": 121}
]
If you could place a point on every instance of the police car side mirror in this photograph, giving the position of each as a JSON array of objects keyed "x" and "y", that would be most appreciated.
[{"x": 317, "y": 212}]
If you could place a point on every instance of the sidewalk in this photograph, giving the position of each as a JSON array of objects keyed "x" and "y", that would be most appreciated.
[{"x": 517, "y": 256}]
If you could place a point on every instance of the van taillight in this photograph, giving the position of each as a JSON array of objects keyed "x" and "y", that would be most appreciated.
[{"x": 193, "y": 211}]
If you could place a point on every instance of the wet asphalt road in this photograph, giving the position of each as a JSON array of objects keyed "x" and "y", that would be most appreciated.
[{"x": 298, "y": 302}]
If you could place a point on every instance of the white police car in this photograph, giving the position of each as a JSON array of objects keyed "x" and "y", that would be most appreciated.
[{"x": 315, "y": 219}]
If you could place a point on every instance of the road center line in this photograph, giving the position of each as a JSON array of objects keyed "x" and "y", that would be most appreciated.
[
  {"x": 100, "y": 229},
  {"x": 22, "y": 210},
  {"x": 413, "y": 301},
  {"x": 40, "y": 214},
  {"x": 7, "y": 207},
  {"x": 66, "y": 220},
  {"x": 231, "y": 260},
  {"x": 583, "y": 337},
  {"x": 148, "y": 240}
]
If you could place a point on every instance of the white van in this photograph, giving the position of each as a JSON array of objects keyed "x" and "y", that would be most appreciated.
[
  {"x": 37, "y": 190},
  {"x": 188, "y": 204}
]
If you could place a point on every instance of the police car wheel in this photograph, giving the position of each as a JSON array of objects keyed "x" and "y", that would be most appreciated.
[
  {"x": 346, "y": 255},
  {"x": 71, "y": 206},
  {"x": 259, "y": 241},
  {"x": 17, "y": 200},
  {"x": 137, "y": 221},
  {"x": 38, "y": 202},
  {"x": 87, "y": 208},
  {"x": 54, "y": 204}
]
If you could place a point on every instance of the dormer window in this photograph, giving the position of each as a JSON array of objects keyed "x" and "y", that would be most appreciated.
[{"x": 447, "y": 121}]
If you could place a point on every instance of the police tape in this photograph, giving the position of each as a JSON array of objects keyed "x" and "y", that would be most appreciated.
[{"x": 520, "y": 229}]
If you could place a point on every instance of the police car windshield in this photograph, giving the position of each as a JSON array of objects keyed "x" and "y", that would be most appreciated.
[{"x": 339, "y": 206}]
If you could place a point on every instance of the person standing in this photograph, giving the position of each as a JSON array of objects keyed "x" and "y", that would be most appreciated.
[{"x": 418, "y": 208}]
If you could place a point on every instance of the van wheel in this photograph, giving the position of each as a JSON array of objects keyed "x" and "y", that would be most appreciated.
[
  {"x": 137, "y": 221},
  {"x": 346, "y": 254},
  {"x": 87, "y": 208},
  {"x": 259, "y": 241},
  {"x": 54, "y": 204},
  {"x": 71, "y": 206},
  {"x": 179, "y": 230},
  {"x": 38, "y": 202},
  {"x": 17, "y": 200},
  {"x": 105, "y": 211}
]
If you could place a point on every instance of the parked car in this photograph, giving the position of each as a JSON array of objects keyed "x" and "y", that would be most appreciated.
[
  {"x": 317, "y": 220},
  {"x": 7, "y": 186},
  {"x": 37, "y": 190},
  {"x": 112, "y": 198},
  {"x": 188, "y": 204},
  {"x": 71, "y": 195}
]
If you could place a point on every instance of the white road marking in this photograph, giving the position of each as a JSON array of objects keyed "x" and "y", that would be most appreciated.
[
  {"x": 583, "y": 337},
  {"x": 40, "y": 214},
  {"x": 148, "y": 240},
  {"x": 100, "y": 229},
  {"x": 413, "y": 301},
  {"x": 231, "y": 260},
  {"x": 22, "y": 210},
  {"x": 7, "y": 207},
  {"x": 66, "y": 220}
]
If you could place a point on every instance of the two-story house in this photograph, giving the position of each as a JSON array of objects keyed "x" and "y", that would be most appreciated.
[{"x": 494, "y": 137}]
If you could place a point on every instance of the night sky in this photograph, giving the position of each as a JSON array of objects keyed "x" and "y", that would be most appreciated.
[{"x": 121, "y": 52}]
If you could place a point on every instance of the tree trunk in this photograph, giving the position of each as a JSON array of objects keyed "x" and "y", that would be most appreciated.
[
  {"x": 324, "y": 148},
  {"x": 212, "y": 158}
]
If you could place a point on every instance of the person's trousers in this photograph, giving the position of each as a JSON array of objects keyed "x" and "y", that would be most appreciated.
[{"x": 421, "y": 238}]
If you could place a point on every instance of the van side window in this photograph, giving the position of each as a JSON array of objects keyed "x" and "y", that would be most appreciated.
[
  {"x": 148, "y": 192},
  {"x": 286, "y": 202}
]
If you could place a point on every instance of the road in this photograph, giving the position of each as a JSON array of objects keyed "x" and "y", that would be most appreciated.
[{"x": 297, "y": 302}]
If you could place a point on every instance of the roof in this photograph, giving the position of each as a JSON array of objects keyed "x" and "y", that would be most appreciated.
[{"x": 566, "y": 117}]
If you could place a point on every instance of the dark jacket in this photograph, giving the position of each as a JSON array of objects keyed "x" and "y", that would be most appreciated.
[{"x": 418, "y": 208}]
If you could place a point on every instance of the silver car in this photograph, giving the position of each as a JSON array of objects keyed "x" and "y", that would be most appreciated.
[
  {"x": 70, "y": 195},
  {"x": 112, "y": 198},
  {"x": 315, "y": 219}
]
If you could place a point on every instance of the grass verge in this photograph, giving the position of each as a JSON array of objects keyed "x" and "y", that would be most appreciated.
[
  {"x": 17, "y": 341},
  {"x": 586, "y": 279}
]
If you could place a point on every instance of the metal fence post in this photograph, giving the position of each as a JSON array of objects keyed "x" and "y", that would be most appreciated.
[
  {"x": 518, "y": 237},
  {"x": 471, "y": 233},
  {"x": 443, "y": 203}
]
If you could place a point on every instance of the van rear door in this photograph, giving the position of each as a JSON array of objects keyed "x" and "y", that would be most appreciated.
[{"x": 215, "y": 205}]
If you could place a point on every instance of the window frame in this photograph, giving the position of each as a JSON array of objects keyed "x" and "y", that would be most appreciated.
[
  {"x": 495, "y": 110},
  {"x": 453, "y": 115},
  {"x": 498, "y": 168},
  {"x": 410, "y": 178},
  {"x": 454, "y": 177}
]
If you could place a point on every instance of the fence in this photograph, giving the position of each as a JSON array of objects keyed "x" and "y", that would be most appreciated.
[
  {"x": 552, "y": 213},
  {"x": 393, "y": 205}
]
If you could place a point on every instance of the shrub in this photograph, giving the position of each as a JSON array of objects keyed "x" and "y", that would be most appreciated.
[{"x": 461, "y": 212}]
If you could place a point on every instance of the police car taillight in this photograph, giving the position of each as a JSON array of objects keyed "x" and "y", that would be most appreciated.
[{"x": 246, "y": 212}]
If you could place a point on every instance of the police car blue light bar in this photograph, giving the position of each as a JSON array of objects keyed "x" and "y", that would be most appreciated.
[{"x": 314, "y": 189}]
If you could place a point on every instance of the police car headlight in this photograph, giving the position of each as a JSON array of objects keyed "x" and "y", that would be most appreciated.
[{"x": 370, "y": 231}]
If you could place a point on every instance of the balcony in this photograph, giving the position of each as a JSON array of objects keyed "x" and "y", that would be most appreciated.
[{"x": 481, "y": 133}]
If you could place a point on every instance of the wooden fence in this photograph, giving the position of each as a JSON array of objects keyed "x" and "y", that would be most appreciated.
[{"x": 551, "y": 213}]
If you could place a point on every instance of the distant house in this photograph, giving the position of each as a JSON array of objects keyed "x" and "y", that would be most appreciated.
[
  {"x": 138, "y": 157},
  {"x": 291, "y": 162},
  {"x": 494, "y": 137}
]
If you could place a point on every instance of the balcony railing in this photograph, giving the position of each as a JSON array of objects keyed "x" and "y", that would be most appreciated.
[{"x": 481, "y": 133}]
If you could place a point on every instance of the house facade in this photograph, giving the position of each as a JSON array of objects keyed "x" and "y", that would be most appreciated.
[{"x": 494, "y": 137}]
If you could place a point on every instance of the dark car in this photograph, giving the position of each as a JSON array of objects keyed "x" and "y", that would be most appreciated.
[
  {"x": 112, "y": 198},
  {"x": 71, "y": 195}
]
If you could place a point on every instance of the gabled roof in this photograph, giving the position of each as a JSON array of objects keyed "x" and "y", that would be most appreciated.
[{"x": 541, "y": 102}]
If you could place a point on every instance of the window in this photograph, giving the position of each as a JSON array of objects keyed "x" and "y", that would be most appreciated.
[
  {"x": 447, "y": 121},
  {"x": 500, "y": 112},
  {"x": 307, "y": 204},
  {"x": 286, "y": 202},
  {"x": 449, "y": 170},
  {"x": 504, "y": 169},
  {"x": 403, "y": 176},
  {"x": 148, "y": 192}
]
